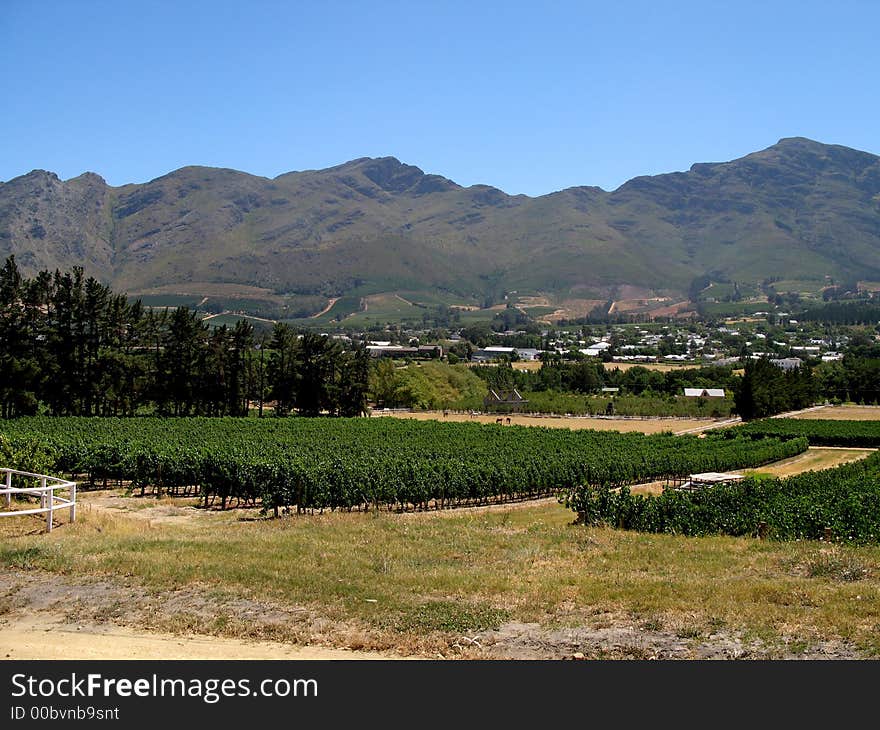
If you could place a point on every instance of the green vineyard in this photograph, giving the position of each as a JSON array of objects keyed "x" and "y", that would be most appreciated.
[
  {"x": 844, "y": 500},
  {"x": 864, "y": 434},
  {"x": 309, "y": 464}
]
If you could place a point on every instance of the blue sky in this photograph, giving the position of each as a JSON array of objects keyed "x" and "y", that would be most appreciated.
[{"x": 529, "y": 97}]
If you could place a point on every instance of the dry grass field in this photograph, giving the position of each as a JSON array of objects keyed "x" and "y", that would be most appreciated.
[
  {"x": 813, "y": 459},
  {"x": 844, "y": 413},
  {"x": 642, "y": 425}
]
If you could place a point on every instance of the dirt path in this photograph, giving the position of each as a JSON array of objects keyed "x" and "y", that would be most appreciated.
[
  {"x": 41, "y": 636},
  {"x": 326, "y": 309},
  {"x": 46, "y": 616}
]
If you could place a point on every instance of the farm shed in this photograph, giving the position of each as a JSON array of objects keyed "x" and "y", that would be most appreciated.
[
  {"x": 504, "y": 400},
  {"x": 704, "y": 392},
  {"x": 707, "y": 479},
  {"x": 495, "y": 352}
]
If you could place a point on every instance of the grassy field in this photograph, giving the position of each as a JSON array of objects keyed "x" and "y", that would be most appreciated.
[
  {"x": 380, "y": 308},
  {"x": 801, "y": 287},
  {"x": 168, "y": 300},
  {"x": 340, "y": 309},
  {"x": 230, "y": 320},
  {"x": 509, "y": 580}
]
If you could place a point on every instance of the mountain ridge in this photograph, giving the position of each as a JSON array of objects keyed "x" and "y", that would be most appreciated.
[{"x": 799, "y": 208}]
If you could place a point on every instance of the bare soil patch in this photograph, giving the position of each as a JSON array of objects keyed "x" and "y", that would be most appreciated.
[
  {"x": 572, "y": 309},
  {"x": 40, "y": 636},
  {"x": 627, "y": 639},
  {"x": 632, "y": 305},
  {"x": 670, "y": 310}
]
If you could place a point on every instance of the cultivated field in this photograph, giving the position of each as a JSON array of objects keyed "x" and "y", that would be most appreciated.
[{"x": 498, "y": 581}]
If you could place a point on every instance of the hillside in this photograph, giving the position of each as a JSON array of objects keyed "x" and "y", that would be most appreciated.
[{"x": 799, "y": 210}]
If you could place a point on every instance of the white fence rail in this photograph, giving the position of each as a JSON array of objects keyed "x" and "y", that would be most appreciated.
[{"x": 46, "y": 491}]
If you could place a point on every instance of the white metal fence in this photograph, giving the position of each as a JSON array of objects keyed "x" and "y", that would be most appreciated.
[{"x": 44, "y": 487}]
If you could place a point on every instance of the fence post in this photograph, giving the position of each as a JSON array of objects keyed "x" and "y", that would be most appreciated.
[
  {"x": 9, "y": 486},
  {"x": 50, "y": 498},
  {"x": 73, "y": 501}
]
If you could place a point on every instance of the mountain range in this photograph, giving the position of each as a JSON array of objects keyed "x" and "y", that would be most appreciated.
[{"x": 798, "y": 209}]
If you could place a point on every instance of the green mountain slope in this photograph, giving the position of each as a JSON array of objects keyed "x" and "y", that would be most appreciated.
[{"x": 799, "y": 209}]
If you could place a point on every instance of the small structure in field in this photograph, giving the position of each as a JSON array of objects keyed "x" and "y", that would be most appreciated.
[
  {"x": 504, "y": 400},
  {"x": 706, "y": 479},
  {"x": 704, "y": 392}
]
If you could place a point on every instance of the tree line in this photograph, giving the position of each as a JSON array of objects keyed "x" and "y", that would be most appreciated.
[
  {"x": 587, "y": 376},
  {"x": 69, "y": 345}
]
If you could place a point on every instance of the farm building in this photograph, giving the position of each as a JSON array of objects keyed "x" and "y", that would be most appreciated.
[
  {"x": 596, "y": 349},
  {"x": 504, "y": 400},
  {"x": 704, "y": 392},
  {"x": 495, "y": 352}
]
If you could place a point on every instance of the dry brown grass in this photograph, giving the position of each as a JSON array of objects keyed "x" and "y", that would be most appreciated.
[
  {"x": 642, "y": 425},
  {"x": 813, "y": 459},
  {"x": 844, "y": 413},
  {"x": 420, "y": 583}
]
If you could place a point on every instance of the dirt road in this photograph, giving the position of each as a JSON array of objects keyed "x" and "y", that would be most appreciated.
[{"x": 41, "y": 636}]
